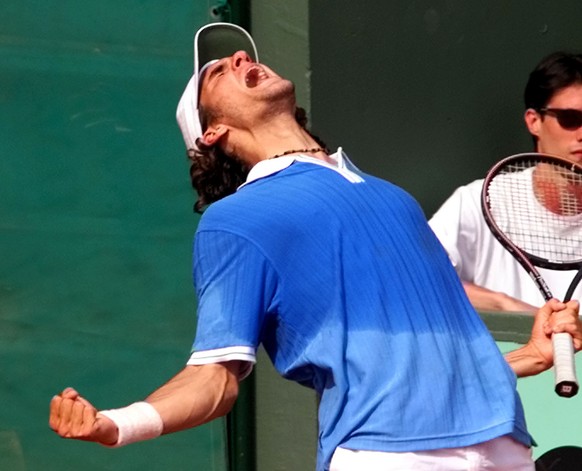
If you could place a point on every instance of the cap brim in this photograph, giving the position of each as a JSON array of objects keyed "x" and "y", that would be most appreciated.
[
  {"x": 217, "y": 40},
  {"x": 212, "y": 42}
]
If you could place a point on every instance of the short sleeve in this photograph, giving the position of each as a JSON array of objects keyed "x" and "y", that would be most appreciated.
[{"x": 236, "y": 286}]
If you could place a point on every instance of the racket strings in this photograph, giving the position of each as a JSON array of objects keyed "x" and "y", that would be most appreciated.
[{"x": 538, "y": 206}]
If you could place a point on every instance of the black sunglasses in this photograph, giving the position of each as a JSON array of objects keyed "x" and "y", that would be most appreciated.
[{"x": 567, "y": 118}]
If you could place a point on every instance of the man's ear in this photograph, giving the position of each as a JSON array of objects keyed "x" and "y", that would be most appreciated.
[
  {"x": 213, "y": 134},
  {"x": 533, "y": 121}
]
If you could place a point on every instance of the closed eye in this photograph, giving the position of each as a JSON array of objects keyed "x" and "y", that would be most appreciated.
[{"x": 216, "y": 71}]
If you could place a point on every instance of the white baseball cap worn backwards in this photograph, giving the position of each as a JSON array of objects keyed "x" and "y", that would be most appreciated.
[{"x": 211, "y": 43}]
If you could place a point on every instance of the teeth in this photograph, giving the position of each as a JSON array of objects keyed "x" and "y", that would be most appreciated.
[{"x": 253, "y": 75}]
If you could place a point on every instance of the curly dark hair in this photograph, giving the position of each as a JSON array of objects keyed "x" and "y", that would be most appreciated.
[{"x": 214, "y": 174}]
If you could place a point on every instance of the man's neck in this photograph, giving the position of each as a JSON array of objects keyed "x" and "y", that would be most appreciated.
[{"x": 281, "y": 136}]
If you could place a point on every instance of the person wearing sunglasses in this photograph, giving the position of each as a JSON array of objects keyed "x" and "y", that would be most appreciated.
[
  {"x": 553, "y": 100},
  {"x": 493, "y": 280}
]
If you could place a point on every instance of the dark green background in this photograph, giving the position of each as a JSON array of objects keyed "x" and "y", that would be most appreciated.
[
  {"x": 96, "y": 223},
  {"x": 428, "y": 93}
]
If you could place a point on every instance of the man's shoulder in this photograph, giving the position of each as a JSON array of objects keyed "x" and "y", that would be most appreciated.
[
  {"x": 468, "y": 194},
  {"x": 473, "y": 187},
  {"x": 462, "y": 207}
]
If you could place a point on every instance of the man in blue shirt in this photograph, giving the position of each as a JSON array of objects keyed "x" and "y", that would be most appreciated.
[{"x": 337, "y": 274}]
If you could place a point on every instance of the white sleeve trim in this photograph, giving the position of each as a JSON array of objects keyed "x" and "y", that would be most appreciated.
[{"x": 221, "y": 355}]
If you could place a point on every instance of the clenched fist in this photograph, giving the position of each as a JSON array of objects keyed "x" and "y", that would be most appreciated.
[{"x": 72, "y": 416}]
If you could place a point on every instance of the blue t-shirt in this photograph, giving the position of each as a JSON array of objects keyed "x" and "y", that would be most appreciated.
[{"x": 351, "y": 294}]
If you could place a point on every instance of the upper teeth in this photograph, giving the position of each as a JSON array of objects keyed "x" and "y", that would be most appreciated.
[{"x": 255, "y": 73}]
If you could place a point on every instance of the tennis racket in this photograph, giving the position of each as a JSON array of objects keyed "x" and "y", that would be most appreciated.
[{"x": 532, "y": 204}]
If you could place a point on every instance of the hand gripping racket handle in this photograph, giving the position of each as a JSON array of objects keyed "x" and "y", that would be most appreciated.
[
  {"x": 564, "y": 360},
  {"x": 566, "y": 383},
  {"x": 564, "y": 369}
]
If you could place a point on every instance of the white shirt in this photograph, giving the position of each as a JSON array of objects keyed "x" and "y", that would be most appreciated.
[
  {"x": 480, "y": 259},
  {"x": 341, "y": 164}
]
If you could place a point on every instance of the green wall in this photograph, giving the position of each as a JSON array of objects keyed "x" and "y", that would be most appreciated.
[
  {"x": 428, "y": 93},
  {"x": 96, "y": 223}
]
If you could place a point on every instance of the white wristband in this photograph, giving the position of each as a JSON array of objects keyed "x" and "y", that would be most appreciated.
[{"x": 137, "y": 422}]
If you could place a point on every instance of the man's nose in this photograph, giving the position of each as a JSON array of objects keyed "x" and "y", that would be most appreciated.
[{"x": 239, "y": 58}]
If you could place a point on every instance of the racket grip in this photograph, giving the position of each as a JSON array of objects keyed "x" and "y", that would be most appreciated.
[{"x": 564, "y": 367}]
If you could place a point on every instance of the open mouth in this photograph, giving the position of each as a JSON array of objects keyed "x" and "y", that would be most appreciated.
[{"x": 254, "y": 75}]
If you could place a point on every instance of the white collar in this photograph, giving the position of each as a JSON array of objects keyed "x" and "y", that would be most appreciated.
[{"x": 342, "y": 165}]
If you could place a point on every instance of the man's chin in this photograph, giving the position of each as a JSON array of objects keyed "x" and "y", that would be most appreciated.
[{"x": 575, "y": 157}]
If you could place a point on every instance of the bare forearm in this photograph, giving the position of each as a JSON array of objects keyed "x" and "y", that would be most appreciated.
[
  {"x": 484, "y": 299},
  {"x": 526, "y": 361},
  {"x": 196, "y": 395},
  {"x": 537, "y": 355}
]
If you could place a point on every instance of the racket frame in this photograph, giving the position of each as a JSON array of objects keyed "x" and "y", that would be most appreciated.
[{"x": 566, "y": 384}]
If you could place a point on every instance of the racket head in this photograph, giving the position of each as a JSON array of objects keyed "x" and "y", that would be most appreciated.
[{"x": 532, "y": 203}]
